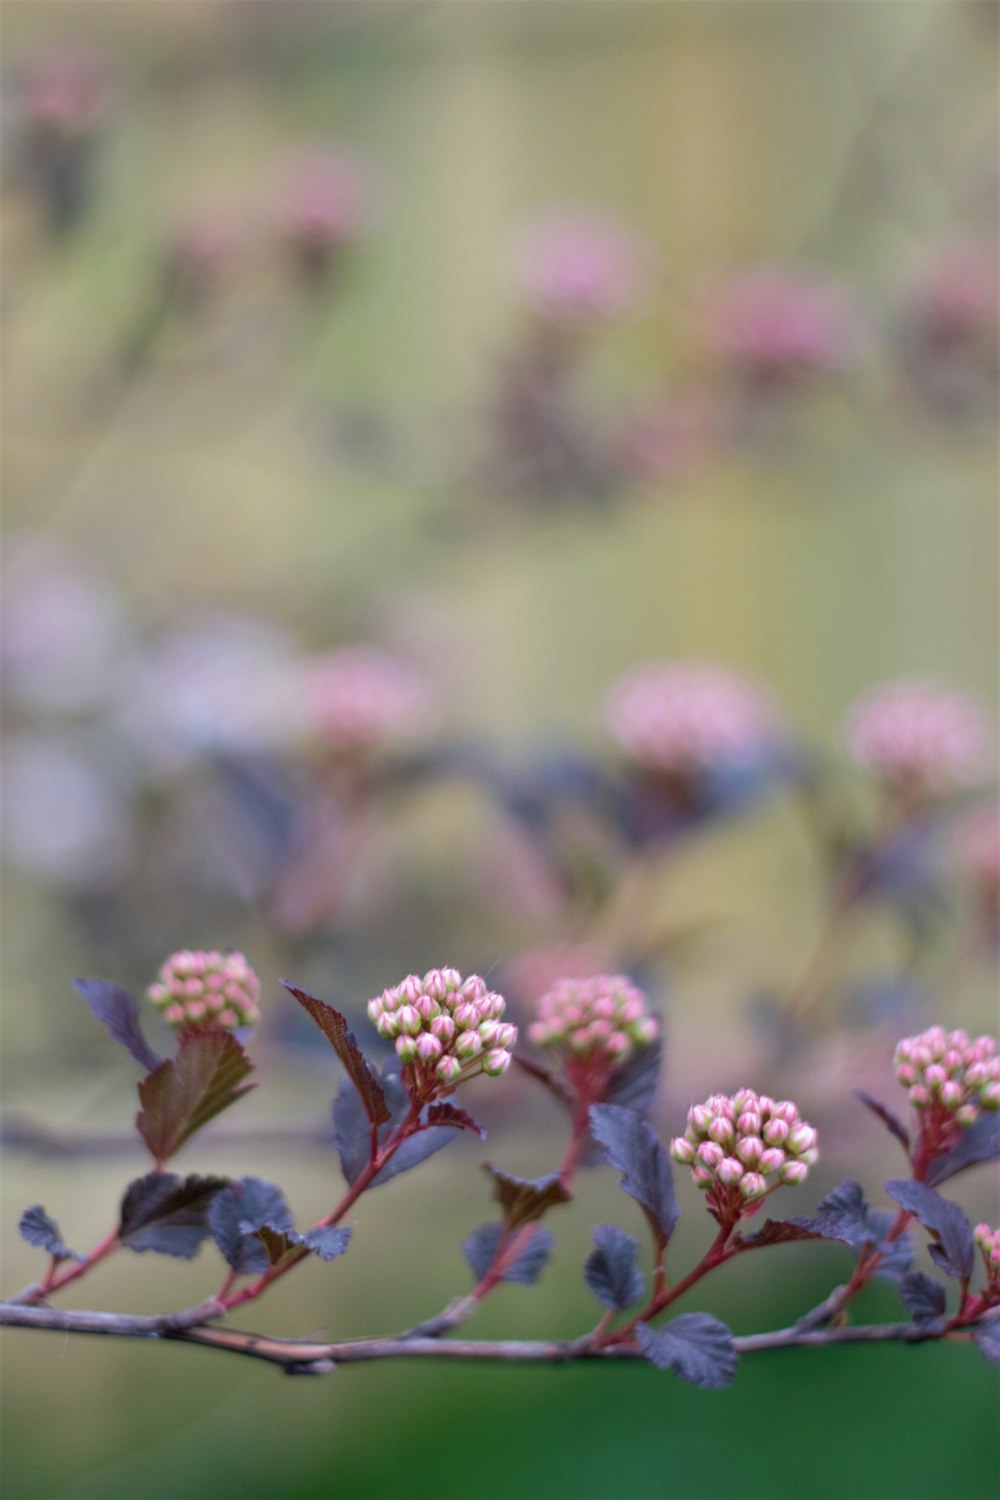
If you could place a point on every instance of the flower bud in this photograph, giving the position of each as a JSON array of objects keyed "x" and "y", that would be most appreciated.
[
  {"x": 496, "y": 1062},
  {"x": 682, "y": 1150},
  {"x": 793, "y": 1172},
  {"x": 752, "y": 1185}
]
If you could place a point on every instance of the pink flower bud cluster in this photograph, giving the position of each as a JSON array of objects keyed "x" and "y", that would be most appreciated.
[
  {"x": 361, "y": 699},
  {"x": 66, "y": 90},
  {"x": 919, "y": 736},
  {"x": 685, "y": 716},
  {"x": 741, "y": 1149},
  {"x": 328, "y": 203},
  {"x": 958, "y": 295},
  {"x": 446, "y": 1029},
  {"x": 595, "y": 1024},
  {"x": 774, "y": 321},
  {"x": 207, "y": 991},
  {"x": 988, "y": 1241},
  {"x": 948, "y": 1075},
  {"x": 578, "y": 268}
]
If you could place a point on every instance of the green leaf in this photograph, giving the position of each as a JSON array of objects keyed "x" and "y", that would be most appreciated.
[{"x": 184, "y": 1093}]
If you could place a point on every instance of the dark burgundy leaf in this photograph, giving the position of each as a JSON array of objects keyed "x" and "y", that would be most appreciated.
[
  {"x": 184, "y": 1093},
  {"x": 895, "y": 1256},
  {"x": 527, "y": 1260},
  {"x": 979, "y": 1143},
  {"x": 778, "y": 1232},
  {"x": 337, "y": 1032},
  {"x": 352, "y": 1130},
  {"x": 695, "y": 1346},
  {"x": 633, "y": 1148},
  {"x": 987, "y": 1335},
  {"x": 922, "y": 1296},
  {"x": 247, "y": 1202},
  {"x": 955, "y": 1250},
  {"x": 634, "y": 1087},
  {"x": 38, "y": 1229},
  {"x": 116, "y": 1009},
  {"x": 458, "y": 1119},
  {"x": 524, "y": 1200},
  {"x": 611, "y": 1270},
  {"x": 885, "y": 1114},
  {"x": 167, "y": 1214}
]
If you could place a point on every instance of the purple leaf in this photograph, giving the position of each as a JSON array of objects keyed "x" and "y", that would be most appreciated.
[
  {"x": 352, "y": 1130},
  {"x": 249, "y": 1202},
  {"x": 611, "y": 1270},
  {"x": 167, "y": 1214},
  {"x": 845, "y": 1215},
  {"x": 523, "y": 1199},
  {"x": 534, "y": 1245},
  {"x": 979, "y": 1143},
  {"x": 634, "y": 1087},
  {"x": 633, "y": 1148},
  {"x": 117, "y": 1010},
  {"x": 922, "y": 1296},
  {"x": 695, "y": 1346},
  {"x": 987, "y": 1335},
  {"x": 327, "y": 1242},
  {"x": 38, "y": 1229},
  {"x": 955, "y": 1250},
  {"x": 885, "y": 1114},
  {"x": 184, "y": 1093},
  {"x": 337, "y": 1032}
]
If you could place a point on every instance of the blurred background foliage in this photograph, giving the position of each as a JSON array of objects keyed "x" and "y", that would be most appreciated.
[{"x": 233, "y": 446}]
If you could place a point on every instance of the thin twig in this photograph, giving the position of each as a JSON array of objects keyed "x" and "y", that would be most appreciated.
[{"x": 301, "y": 1356}]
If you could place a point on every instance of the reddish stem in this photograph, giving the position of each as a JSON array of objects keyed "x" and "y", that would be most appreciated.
[
  {"x": 54, "y": 1282},
  {"x": 376, "y": 1162}
]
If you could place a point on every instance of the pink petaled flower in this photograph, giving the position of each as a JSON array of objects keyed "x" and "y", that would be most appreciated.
[
  {"x": 593, "y": 1026},
  {"x": 689, "y": 716},
  {"x": 577, "y": 268},
  {"x": 738, "y": 1179},
  {"x": 779, "y": 322},
  {"x": 950, "y": 1079},
  {"x": 362, "y": 700},
  {"x": 446, "y": 1030},
  {"x": 328, "y": 202},
  {"x": 66, "y": 91},
  {"x": 215, "y": 991},
  {"x": 919, "y": 736}
]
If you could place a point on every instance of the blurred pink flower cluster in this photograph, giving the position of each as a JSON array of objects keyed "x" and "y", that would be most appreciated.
[
  {"x": 919, "y": 736},
  {"x": 205, "y": 991},
  {"x": 579, "y": 268},
  {"x": 775, "y": 322},
  {"x": 328, "y": 201},
  {"x": 446, "y": 1030},
  {"x": 686, "y": 716},
  {"x": 957, "y": 296},
  {"x": 66, "y": 90},
  {"x": 594, "y": 1022},
  {"x": 948, "y": 1073},
  {"x": 360, "y": 700},
  {"x": 740, "y": 1149}
]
